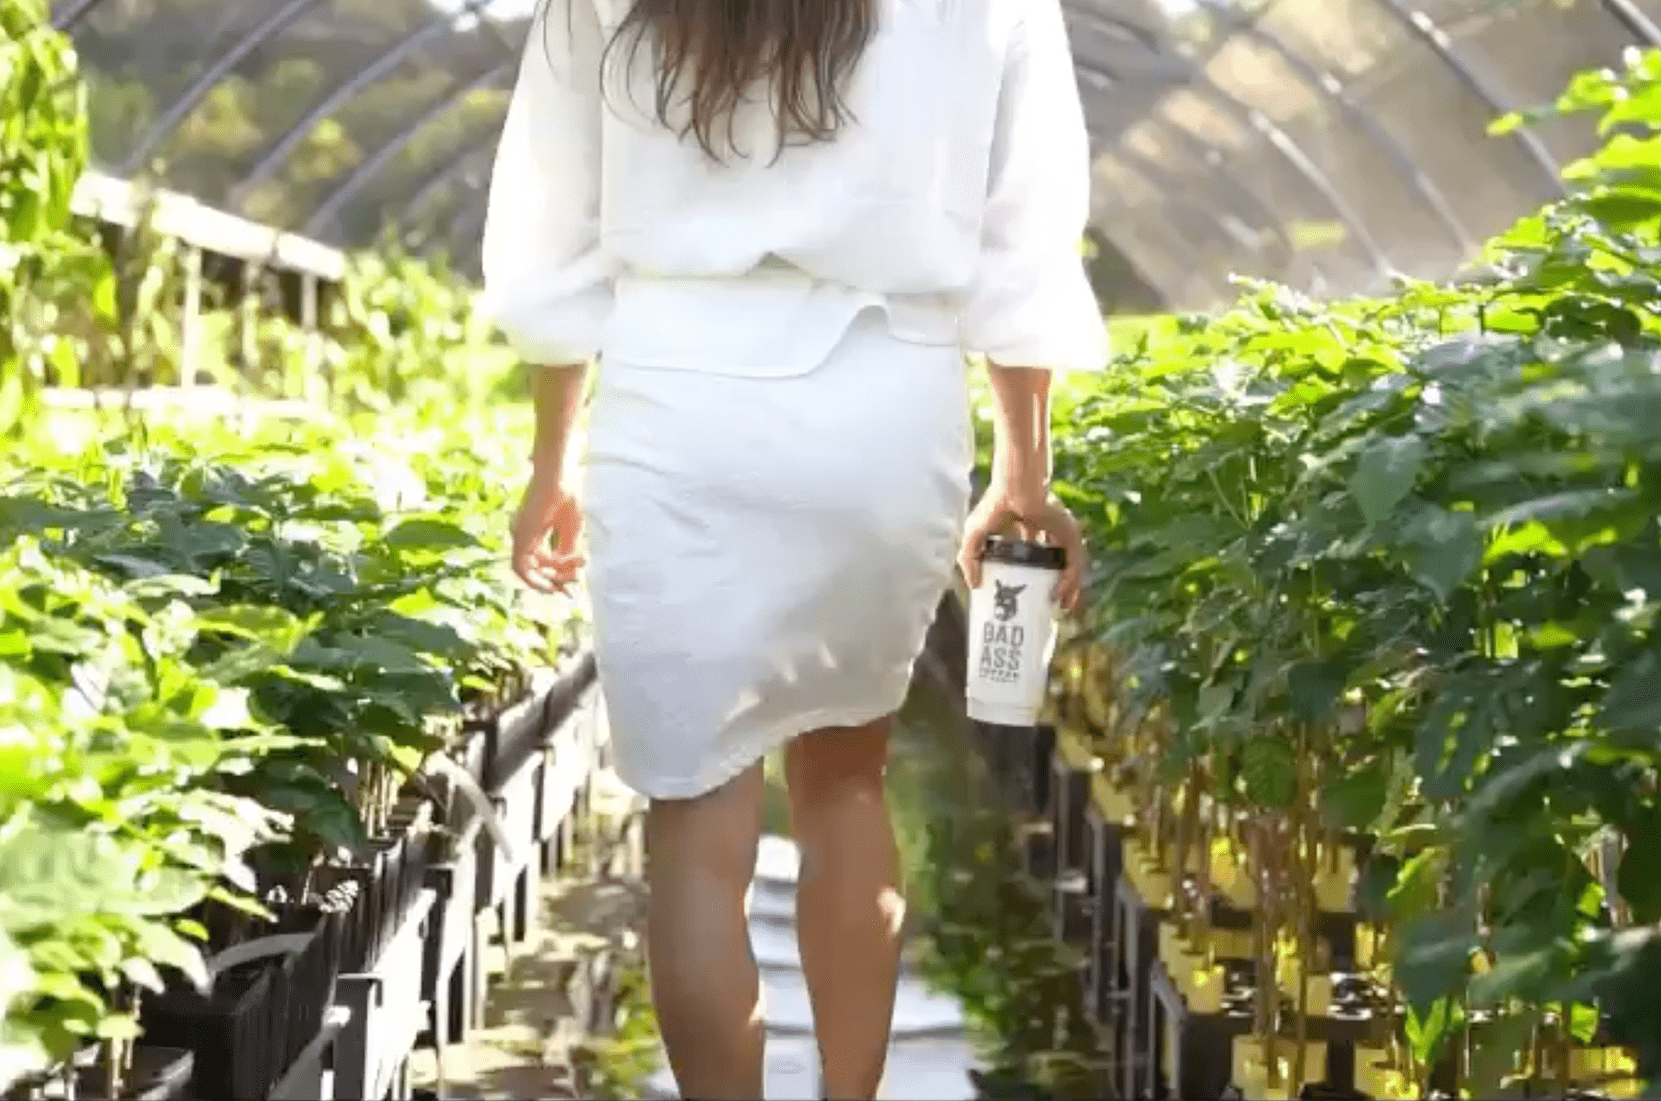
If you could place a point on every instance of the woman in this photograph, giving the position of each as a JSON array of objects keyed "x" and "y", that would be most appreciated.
[{"x": 779, "y": 225}]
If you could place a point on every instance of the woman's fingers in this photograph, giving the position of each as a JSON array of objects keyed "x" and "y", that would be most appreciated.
[
  {"x": 968, "y": 551},
  {"x": 1072, "y": 576},
  {"x": 1061, "y": 530},
  {"x": 524, "y": 557},
  {"x": 984, "y": 519},
  {"x": 968, "y": 558},
  {"x": 567, "y": 535},
  {"x": 547, "y": 531},
  {"x": 544, "y": 569}
]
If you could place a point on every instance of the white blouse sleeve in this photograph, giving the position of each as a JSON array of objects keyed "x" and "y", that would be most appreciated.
[
  {"x": 546, "y": 283},
  {"x": 1031, "y": 304}
]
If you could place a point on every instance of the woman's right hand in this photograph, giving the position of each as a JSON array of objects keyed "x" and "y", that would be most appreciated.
[
  {"x": 1032, "y": 515},
  {"x": 546, "y": 533}
]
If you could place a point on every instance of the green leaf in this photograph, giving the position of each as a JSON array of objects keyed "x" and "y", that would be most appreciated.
[
  {"x": 168, "y": 948},
  {"x": 317, "y": 806},
  {"x": 1270, "y": 771},
  {"x": 1445, "y": 550},
  {"x": 1583, "y": 1022},
  {"x": 278, "y": 628},
  {"x": 427, "y": 533},
  {"x": 1374, "y": 886},
  {"x": 133, "y": 566},
  {"x": 141, "y": 972},
  {"x": 1632, "y": 703},
  {"x": 1623, "y": 209},
  {"x": 1434, "y": 963},
  {"x": 160, "y": 586},
  {"x": 1417, "y": 885},
  {"x": 48, "y": 875},
  {"x": 1355, "y": 801},
  {"x": 1497, "y": 1050},
  {"x": 1638, "y": 878},
  {"x": 1429, "y": 1031},
  {"x": 1386, "y": 474},
  {"x": 1314, "y": 687},
  {"x": 117, "y": 1026}
]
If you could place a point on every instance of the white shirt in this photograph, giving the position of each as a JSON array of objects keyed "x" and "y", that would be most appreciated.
[{"x": 955, "y": 198}]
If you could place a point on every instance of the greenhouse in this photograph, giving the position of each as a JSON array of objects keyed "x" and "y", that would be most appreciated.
[{"x": 1348, "y": 778}]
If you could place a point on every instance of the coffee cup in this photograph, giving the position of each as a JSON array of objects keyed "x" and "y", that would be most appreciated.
[{"x": 1012, "y": 630}]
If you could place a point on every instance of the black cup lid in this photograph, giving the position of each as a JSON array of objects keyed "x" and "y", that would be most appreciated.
[{"x": 1019, "y": 552}]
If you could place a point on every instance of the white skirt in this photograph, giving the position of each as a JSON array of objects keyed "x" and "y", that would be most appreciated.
[{"x": 765, "y": 555}]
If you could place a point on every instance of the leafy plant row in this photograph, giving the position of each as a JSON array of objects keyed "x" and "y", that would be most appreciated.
[
  {"x": 1392, "y": 568},
  {"x": 223, "y": 647},
  {"x": 199, "y": 633}
]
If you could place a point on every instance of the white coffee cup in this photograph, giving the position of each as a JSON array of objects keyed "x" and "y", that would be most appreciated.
[{"x": 1012, "y": 631}]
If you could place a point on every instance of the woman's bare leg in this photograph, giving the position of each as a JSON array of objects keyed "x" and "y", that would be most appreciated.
[
  {"x": 705, "y": 985},
  {"x": 848, "y": 901}
]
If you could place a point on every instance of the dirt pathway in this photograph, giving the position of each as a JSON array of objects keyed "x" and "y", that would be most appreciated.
[{"x": 534, "y": 1039}]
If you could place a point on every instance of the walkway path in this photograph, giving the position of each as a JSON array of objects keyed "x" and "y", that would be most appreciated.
[{"x": 930, "y": 1056}]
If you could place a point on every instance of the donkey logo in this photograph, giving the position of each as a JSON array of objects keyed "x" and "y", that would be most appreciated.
[{"x": 1004, "y": 604}]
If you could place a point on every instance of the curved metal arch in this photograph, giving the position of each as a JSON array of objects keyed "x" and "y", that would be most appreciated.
[
  {"x": 1305, "y": 166},
  {"x": 1181, "y": 258},
  {"x": 467, "y": 225},
  {"x": 65, "y": 18},
  {"x": 377, "y": 161},
  {"x": 279, "y": 152},
  {"x": 1301, "y": 163},
  {"x": 460, "y": 162},
  {"x": 1440, "y": 41},
  {"x": 1327, "y": 84},
  {"x": 1182, "y": 65},
  {"x": 1189, "y": 246},
  {"x": 1253, "y": 208},
  {"x": 1161, "y": 288},
  {"x": 1193, "y": 74},
  {"x": 1188, "y": 241},
  {"x": 180, "y": 109},
  {"x": 1246, "y": 198},
  {"x": 1632, "y": 17},
  {"x": 1171, "y": 190},
  {"x": 1126, "y": 30}
]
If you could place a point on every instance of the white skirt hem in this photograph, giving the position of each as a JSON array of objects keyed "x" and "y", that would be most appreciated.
[{"x": 749, "y": 752}]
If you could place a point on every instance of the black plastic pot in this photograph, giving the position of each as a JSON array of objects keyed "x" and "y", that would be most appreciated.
[
  {"x": 522, "y": 730},
  {"x": 229, "y": 1032},
  {"x": 1321, "y": 1091},
  {"x": 518, "y": 735},
  {"x": 389, "y": 873},
  {"x": 157, "y": 1074},
  {"x": 354, "y": 925},
  {"x": 303, "y": 984},
  {"x": 477, "y": 752}
]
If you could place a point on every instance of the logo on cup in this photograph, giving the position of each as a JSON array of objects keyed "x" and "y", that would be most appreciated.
[
  {"x": 1004, "y": 604},
  {"x": 1001, "y": 640}
]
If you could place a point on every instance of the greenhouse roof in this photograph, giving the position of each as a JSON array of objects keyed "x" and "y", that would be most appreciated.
[{"x": 1331, "y": 144}]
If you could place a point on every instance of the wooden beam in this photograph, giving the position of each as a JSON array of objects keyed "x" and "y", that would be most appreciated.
[{"x": 122, "y": 203}]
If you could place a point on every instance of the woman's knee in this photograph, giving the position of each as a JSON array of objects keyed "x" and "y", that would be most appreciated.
[
  {"x": 825, "y": 767},
  {"x": 717, "y": 831}
]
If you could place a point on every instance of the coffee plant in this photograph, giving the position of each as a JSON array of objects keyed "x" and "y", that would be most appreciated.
[
  {"x": 224, "y": 644},
  {"x": 1380, "y": 578}
]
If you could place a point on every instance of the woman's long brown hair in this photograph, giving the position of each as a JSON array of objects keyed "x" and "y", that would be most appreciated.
[{"x": 711, "y": 55}]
